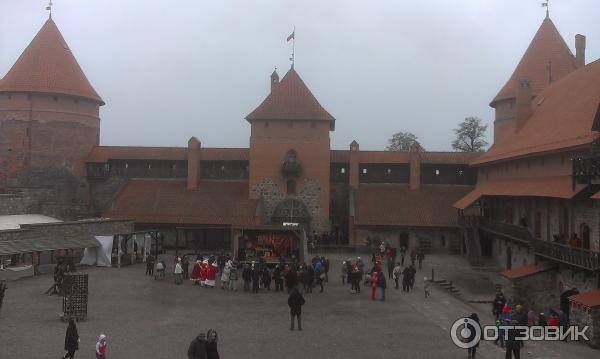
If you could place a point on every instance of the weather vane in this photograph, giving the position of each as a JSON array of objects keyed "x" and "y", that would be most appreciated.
[
  {"x": 546, "y": 4},
  {"x": 49, "y": 8}
]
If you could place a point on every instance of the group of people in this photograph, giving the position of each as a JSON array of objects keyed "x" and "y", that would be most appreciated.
[
  {"x": 61, "y": 268},
  {"x": 72, "y": 342},
  {"x": 204, "y": 346}
]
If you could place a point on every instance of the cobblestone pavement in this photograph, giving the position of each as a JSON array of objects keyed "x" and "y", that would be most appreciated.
[{"x": 144, "y": 318}]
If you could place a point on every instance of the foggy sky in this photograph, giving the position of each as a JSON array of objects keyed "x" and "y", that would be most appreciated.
[{"x": 169, "y": 70}]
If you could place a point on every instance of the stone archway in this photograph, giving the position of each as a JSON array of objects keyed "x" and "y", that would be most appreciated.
[{"x": 291, "y": 210}]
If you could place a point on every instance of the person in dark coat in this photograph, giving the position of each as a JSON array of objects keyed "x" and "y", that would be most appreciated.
[
  {"x": 382, "y": 284},
  {"x": 406, "y": 279},
  {"x": 498, "y": 304},
  {"x": 197, "y": 348},
  {"x": 473, "y": 350},
  {"x": 291, "y": 280},
  {"x": 71, "y": 340},
  {"x": 513, "y": 346},
  {"x": 150, "y": 266},
  {"x": 295, "y": 302},
  {"x": 309, "y": 278},
  {"x": 255, "y": 274},
  {"x": 277, "y": 278},
  {"x": 211, "y": 344},
  {"x": 247, "y": 277},
  {"x": 266, "y": 278}
]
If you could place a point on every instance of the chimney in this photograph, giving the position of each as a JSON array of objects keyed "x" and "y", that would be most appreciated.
[
  {"x": 274, "y": 80},
  {"x": 193, "y": 158},
  {"x": 415, "y": 167},
  {"x": 354, "y": 165},
  {"x": 579, "y": 51},
  {"x": 523, "y": 103}
]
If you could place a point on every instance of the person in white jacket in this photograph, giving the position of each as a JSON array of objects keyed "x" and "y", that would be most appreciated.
[{"x": 178, "y": 272}]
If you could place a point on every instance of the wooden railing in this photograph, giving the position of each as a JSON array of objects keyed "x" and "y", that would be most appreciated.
[{"x": 568, "y": 255}]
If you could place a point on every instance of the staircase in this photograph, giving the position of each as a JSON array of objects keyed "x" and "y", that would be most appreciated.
[{"x": 447, "y": 286}]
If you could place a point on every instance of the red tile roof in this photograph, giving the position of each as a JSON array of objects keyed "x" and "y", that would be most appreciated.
[
  {"x": 290, "y": 100},
  {"x": 553, "y": 187},
  {"x": 169, "y": 202},
  {"x": 547, "y": 46},
  {"x": 596, "y": 195},
  {"x": 562, "y": 118},
  {"x": 102, "y": 154},
  {"x": 47, "y": 65},
  {"x": 524, "y": 271},
  {"x": 589, "y": 299},
  {"x": 398, "y": 205}
]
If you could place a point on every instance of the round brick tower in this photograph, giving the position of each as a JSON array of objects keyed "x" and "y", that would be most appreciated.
[{"x": 49, "y": 112}]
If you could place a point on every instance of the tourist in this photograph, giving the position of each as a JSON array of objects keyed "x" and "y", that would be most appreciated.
[
  {"x": 196, "y": 272},
  {"x": 233, "y": 276},
  {"x": 266, "y": 278},
  {"x": 498, "y": 304},
  {"x": 420, "y": 257},
  {"x": 356, "y": 279},
  {"x": 291, "y": 280},
  {"x": 360, "y": 264},
  {"x": 278, "y": 278},
  {"x": 382, "y": 249},
  {"x": 197, "y": 348},
  {"x": 374, "y": 278},
  {"x": 394, "y": 254},
  {"x": 531, "y": 318},
  {"x": 160, "y": 270},
  {"x": 225, "y": 274},
  {"x": 406, "y": 274},
  {"x": 344, "y": 273},
  {"x": 473, "y": 350},
  {"x": 178, "y": 272},
  {"x": 71, "y": 340},
  {"x": 426, "y": 287},
  {"x": 506, "y": 312},
  {"x": 542, "y": 322},
  {"x": 247, "y": 277},
  {"x": 255, "y": 278},
  {"x": 101, "y": 347},
  {"x": 203, "y": 271},
  {"x": 185, "y": 265},
  {"x": 396, "y": 274},
  {"x": 211, "y": 275},
  {"x": 553, "y": 319},
  {"x": 513, "y": 347},
  {"x": 221, "y": 261},
  {"x": 413, "y": 257},
  {"x": 295, "y": 302},
  {"x": 382, "y": 284},
  {"x": 413, "y": 272},
  {"x": 211, "y": 344},
  {"x": 390, "y": 265},
  {"x": 320, "y": 277},
  {"x": 325, "y": 262},
  {"x": 403, "y": 250},
  {"x": 308, "y": 278},
  {"x": 150, "y": 266},
  {"x": 500, "y": 337}
]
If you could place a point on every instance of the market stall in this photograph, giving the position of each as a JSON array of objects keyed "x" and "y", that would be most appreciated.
[{"x": 270, "y": 243}]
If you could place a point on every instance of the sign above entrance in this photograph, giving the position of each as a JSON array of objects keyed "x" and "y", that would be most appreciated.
[{"x": 290, "y": 224}]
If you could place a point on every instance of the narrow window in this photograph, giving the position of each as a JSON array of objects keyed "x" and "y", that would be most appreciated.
[
  {"x": 342, "y": 170},
  {"x": 389, "y": 171},
  {"x": 437, "y": 172},
  {"x": 291, "y": 187},
  {"x": 364, "y": 171}
]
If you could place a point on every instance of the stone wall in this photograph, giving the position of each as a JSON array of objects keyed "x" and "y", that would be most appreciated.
[
  {"x": 105, "y": 192},
  {"x": 17, "y": 204},
  {"x": 581, "y": 317},
  {"x": 537, "y": 291},
  {"x": 520, "y": 254},
  {"x": 271, "y": 194}
]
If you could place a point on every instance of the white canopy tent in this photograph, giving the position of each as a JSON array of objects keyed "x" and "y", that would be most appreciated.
[{"x": 99, "y": 256}]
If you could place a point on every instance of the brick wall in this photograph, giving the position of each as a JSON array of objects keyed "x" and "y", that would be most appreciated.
[{"x": 17, "y": 204}]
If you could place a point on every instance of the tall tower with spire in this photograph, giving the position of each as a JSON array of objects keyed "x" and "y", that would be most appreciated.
[
  {"x": 546, "y": 60},
  {"x": 49, "y": 111},
  {"x": 290, "y": 154}
]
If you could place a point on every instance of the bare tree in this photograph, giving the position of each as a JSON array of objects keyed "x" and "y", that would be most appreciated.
[
  {"x": 403, "y": 141},
  {"x": 470, "y": 136}
]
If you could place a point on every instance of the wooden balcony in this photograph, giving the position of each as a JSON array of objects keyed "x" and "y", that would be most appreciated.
[
  {"x": 586, "y": 169},
  {"x": 565, "y": 254}
]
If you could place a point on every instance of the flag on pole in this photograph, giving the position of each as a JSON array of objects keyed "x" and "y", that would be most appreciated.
[{"x": 292, "y": 36}]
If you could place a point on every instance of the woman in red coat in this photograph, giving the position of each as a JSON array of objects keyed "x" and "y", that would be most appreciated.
[
  {"x": 203, "y": 272},
  {"x": 373, "y": 284},
  {"x": 196, "y": 272},
  {"x": 211, "y": 274}
]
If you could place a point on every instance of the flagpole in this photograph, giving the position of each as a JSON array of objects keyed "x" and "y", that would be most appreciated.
[{"x": 294, "y": 47}]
